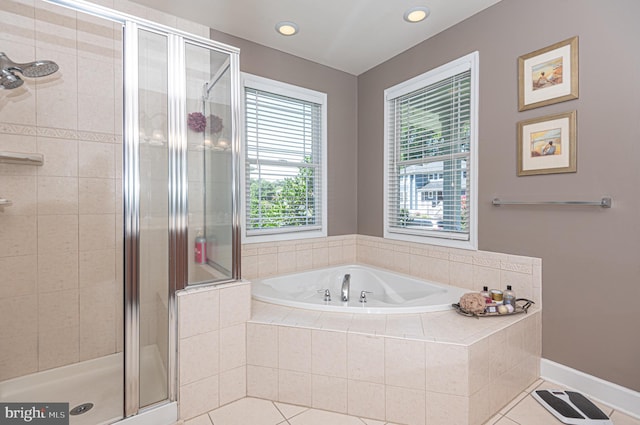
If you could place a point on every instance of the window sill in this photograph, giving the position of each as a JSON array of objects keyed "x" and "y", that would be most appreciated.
[
  {"x": 277, "y": 237},
  {"x": 470, "y": 245}
]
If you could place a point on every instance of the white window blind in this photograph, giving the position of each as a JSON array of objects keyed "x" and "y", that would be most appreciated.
[
  {"x": 430, "y": 138},
  {"x": 283, "y": 163}
]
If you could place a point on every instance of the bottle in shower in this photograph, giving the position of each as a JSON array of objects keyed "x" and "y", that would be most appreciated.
[
  {"x": 200, "y": 248},
  {"x": 509, "y": 297}
]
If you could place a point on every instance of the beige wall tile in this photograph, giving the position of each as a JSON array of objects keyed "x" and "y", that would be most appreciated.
[
  {"x": 57, "y": 195},
  {"x": 461, "y": 275},
  {"x": 235, "y": 304},
  {"x": 57, "y": 94},
  {"x": 19, "y": 316},
  {"x": 294, "y": 349},
  {"x": 267, "y": 264},
  {"x": 366, "y": 399},
  {"x": 19, "y": 276},
  {"x": 320, "y": 257},
  {"x": 21, "y": 102},
  {"x": 262, "y": 382},
  {"x": 447, "y": 368},
  {"x": 446, "y": 409},
  {"x": 97, "y": 268},
  {"x": 199, "y": 357},
  {"x": 294, "y": 387},
  {"x": 286, "y": 262},
  {"x": 304, "y": 259},
  {"x": 57, "y": 271},
  {"x": 486, "y": 276},
  {"x": 233, "y": 347},
  {"x": 58, "y": 347},
  {"x": 329, "y": 393},
  {"x": 22, "y": 191},
  {"x": 405, "y": 363},
  {"x": 57, "y": 233},
  {"x": 58, "y": 310},
  {"x": 96, "y": 36},
  {"x": 262, "y": 345},
  {"x": 365, "y": 358},
  {"x": 329, "y": 353},
  {"x": 406, "y": 406},
  {"x": 55, "y": 27},
  {"x": 480, "y": 355},
  {"x": 96, "y": 159},
  {"x": 199, "y": 397},
  {"x": 19, "y": 355},
  {"x": 96, "y": 232},
  {"x": 96, "y": 196},
  {"x": 60, "y": 157},
  {"x": 233, "y": 385},
  {"x": 17, "y": 235},
  {"x": 198, "y": 312},
  {"x": 97, "y": 337}
]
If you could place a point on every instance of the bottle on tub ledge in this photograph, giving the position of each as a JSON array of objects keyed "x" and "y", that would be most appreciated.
[{"x": 509, "y": 297}]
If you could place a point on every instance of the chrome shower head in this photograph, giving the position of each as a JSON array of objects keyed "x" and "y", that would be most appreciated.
[
  {"x": 38, "y": 68},
  {"x": 8, "y": 78}
]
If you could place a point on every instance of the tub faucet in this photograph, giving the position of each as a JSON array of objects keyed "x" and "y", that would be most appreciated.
[{"x": 345, "y": 287}]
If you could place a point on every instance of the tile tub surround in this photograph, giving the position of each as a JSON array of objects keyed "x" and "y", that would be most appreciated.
[
  {"x": 212, "y": 346},
  {"x": 462, "y": 268},
  {"x": 431, "y": 368}
]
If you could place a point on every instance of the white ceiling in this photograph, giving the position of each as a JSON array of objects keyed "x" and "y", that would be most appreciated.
[{"x": 349, "y": 35}]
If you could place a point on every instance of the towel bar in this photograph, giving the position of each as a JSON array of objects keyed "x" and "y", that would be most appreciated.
[{"x": 605, "y": 202}]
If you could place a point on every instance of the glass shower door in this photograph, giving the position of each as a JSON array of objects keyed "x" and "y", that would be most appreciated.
[
  {"x": 154, "y": 216},
  {"x": 209, "y": 164}
]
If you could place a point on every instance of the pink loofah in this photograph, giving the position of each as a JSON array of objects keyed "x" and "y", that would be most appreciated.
[{"x": 197, "y": 122}]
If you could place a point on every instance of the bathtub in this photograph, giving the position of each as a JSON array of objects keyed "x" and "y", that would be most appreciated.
[{"x": 391, "y": 293}]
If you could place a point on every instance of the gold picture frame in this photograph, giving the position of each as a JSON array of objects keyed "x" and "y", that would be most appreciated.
[
  {"x": 548, "y": 75},
  {"x": 547, "y": 145}
]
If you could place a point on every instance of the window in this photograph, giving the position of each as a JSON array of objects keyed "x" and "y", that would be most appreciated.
[
  {"x": 284, "y": 161},
  {"x": 431, "y": 130}
]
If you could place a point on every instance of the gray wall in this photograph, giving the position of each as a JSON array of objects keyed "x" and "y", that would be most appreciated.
[
  {"x": 341, "y": 89},
  {"x": 591, "y": 264}
]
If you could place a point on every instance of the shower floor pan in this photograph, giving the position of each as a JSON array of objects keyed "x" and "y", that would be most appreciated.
[{"x": 98, "y": 381}]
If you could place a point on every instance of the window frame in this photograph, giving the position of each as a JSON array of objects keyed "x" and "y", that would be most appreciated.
[
  {"x": 467, "y": 62},
  {"x": 303, "y": 94}
]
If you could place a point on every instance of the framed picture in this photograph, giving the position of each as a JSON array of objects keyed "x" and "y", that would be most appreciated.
[
  {"x": 548, "y": 75},
  {"x": 547, "y": 145}
]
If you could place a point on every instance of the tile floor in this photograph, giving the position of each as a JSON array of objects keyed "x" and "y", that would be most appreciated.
[{"x": 523, "y": 410}]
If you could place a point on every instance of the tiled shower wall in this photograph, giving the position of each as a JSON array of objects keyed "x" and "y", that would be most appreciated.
[
  {"x": 60, "y": 242},
  {"x": 60, "y": 248}
]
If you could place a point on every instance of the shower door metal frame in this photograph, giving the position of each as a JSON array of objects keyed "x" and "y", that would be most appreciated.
[{"x": 178, "y": 207}]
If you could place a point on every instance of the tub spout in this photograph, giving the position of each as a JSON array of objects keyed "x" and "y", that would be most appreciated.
[{"x": 345, "y": 287}]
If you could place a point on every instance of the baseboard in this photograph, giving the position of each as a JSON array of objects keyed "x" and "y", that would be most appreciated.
[{"x": 620, "y": 398}]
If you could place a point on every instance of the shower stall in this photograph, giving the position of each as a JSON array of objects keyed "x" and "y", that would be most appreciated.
[{"x": 119, "y": 181}]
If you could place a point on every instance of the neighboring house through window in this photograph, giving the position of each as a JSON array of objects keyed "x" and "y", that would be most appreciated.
[
  {"x": 431, "y": 147},
  {"x": 284, "y": 161}
]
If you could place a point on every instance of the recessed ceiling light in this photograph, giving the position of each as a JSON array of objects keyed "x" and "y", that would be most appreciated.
[
  {"x": 416, "y": 14},
  {"x": 287, "y": 28}
]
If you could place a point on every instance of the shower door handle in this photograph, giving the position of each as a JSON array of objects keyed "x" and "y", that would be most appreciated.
[{"x": 5, "y": 202}]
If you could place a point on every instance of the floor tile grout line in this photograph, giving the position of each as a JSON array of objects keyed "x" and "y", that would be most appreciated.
[{"x": 285, "y": 416}]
